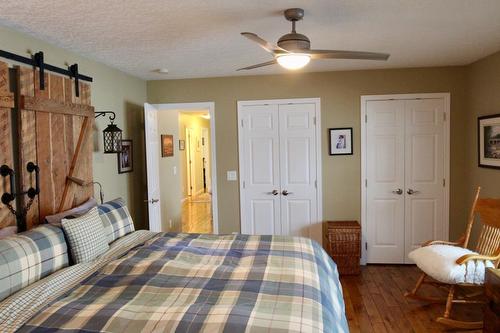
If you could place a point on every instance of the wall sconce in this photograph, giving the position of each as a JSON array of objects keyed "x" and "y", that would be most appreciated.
[
  {"x": 84, "y": 183},
  {"x": 112, "y": 135}
]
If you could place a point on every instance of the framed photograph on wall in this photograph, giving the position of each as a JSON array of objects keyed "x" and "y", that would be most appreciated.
[
  {"x": 182, "y": 144},
  {"x": 126, "y": 157},
  {"x": 340, "y": 141},
  {"x": 488, "y": 130},
  {"x": 167, "y": 145}
]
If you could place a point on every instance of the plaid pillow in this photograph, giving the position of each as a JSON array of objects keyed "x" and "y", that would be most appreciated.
[
  {"x": 116, "y": 219},
  {"x": 85, "y": 236},
  {"x": 30, "y": 256}
]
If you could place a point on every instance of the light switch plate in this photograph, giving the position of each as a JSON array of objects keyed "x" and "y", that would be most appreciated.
[{"x": 232, "y": 175}]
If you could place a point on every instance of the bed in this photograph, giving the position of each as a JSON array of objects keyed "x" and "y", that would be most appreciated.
[{"x": 175, "y": 282}]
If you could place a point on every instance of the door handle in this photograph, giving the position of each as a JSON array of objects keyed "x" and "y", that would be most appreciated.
[
  {"x": 411, "y": 191},
  {"x": 285, "y": 192},
  {"x": 274, "y": 192},
  {"x": 152, "y": 201},
  {"x": 398, "y": 191}
]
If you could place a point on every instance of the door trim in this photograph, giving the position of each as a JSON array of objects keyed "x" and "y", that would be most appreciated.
[
  {"x": 319, "y": 177},
  {"x": 193, "y": 107},
  {"x": 446, "y": 208}
]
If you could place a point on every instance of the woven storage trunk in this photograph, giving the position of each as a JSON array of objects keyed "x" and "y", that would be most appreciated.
[{"x": 342, "y": 241}]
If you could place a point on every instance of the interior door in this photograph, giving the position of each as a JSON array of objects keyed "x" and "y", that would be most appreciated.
[
  {"x": 424, "y": 160},
  {"x": 190, "y": 159},
  {"x": 205, "y": 142},
  {"x": 153, "y": 166},
  {"x": 260, "y": 180},
  {"x": 297, "y": 130},
  {"x": 385, "y": 204}
]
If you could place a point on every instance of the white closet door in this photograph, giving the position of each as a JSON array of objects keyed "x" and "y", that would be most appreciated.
[
  {"x": 425, "y": 173},
  {"x": 259, "y": 153},
  {"x": 385, "y": 202},
  {"x": 299, "y": 215}
]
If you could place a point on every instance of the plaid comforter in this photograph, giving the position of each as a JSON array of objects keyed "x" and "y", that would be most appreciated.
[{"x": 205, "y": 283}]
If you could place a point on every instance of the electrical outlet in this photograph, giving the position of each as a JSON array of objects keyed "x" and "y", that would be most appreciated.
[
  {"x": 175, "y": 170},
  {"x": 170, "y": 224}
]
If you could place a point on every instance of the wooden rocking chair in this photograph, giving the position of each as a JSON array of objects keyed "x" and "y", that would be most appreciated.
[{"x": 488, "y": 248}]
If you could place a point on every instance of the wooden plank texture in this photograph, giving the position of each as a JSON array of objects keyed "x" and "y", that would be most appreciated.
[
  {"x": 60, "y": 141},
  {"x": 6, "y": 157},
  {"x": 374, "y": 302},
  {"x": 41, "y": 104}
]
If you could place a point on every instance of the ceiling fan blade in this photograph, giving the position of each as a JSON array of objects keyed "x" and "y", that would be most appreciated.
[
  {"x": 272, "y": 62},
  {"x": 336, "y": 54},
  {"x": 271, "y": 48}
]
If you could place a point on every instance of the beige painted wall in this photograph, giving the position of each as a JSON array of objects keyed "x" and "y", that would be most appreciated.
[
  {"x": 111, "y": 90},
  {"x": 340, "y": 107},
  {"x": 483, "y": 97}
]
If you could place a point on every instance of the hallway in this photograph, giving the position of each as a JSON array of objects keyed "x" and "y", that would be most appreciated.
[{"x": 197, "y": 214}]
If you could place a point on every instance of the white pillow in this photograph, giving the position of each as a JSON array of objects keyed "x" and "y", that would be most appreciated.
[{"x": 439, "y": 262}]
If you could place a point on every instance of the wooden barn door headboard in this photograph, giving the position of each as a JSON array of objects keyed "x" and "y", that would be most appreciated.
[{"x": 54, "y": 132}]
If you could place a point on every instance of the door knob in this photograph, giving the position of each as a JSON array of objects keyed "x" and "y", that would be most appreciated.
[
  {"x": 152, "y": 201},
  {"x": 411, "y": 191},
  {"x": 274, "y": 192},
  {"x": 398, "y": 191},
  {"x": 285, "y": 192}
]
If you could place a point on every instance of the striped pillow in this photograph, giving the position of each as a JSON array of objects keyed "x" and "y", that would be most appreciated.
[
  {"x": 30, "y": 256},
  {"x": 86, "y": 237},
  {"x": 116, "y": 219}
]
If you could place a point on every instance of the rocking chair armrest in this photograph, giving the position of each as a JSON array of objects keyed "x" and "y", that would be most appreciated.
[
  {"x": 463, "y": 259},
  {"x": 438, "y": 242},
  {"x": 458, "y": 242}
]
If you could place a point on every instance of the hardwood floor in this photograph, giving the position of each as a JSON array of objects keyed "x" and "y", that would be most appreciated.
[
  {"x": 375, "y": 303},
  {"x": 197, "y": 214}
]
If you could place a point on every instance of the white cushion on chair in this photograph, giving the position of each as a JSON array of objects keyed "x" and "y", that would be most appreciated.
[{"x": 439, "y": 262}]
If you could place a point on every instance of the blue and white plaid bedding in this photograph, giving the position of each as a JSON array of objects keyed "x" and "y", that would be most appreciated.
[
  {"x": 206, "y": 283},
  {"x": 28, "y": 257}
]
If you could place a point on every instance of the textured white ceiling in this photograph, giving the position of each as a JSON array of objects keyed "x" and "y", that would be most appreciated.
[{"x": 202, "y": 38}]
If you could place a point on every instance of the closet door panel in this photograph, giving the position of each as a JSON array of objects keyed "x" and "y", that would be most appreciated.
[
  {"x": 259, "y": 145},
  {"x": 298, "y": 170},
  {"x": 424, "y": 159},
  {"x": 385, "y": 175}
]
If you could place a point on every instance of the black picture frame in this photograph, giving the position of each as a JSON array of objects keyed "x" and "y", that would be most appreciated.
[
  {"x": 483, "y": 122},
  {"x": 348, "y": 148},
  {"x": 126, "y": 157}
]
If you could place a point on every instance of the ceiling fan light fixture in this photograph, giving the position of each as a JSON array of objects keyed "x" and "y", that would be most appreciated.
[{"x": 293, "y": 61}]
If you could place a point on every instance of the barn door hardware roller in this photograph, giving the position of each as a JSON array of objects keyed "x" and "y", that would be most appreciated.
[
  {"x": 37, "y": 61},
  {"x": 8, "y": 197}
]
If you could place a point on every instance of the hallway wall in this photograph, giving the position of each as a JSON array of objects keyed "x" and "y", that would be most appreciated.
[{"x": 196, "y": 123}]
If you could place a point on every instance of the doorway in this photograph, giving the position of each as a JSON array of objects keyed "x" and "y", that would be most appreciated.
[
  {"x": 177, "y": 197},
  {"x": 196, "y": 213},
  {"x": 405, "y": 174},
  {"x": 280, "y": 167}
]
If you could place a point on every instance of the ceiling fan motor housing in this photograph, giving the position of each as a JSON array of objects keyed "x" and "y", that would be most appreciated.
[{"x": 294, "y": 42}]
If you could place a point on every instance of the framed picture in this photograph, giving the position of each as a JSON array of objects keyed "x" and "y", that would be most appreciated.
[
  {"x": 340, "y": 141},
  {"x": 182, "y": 144},
  {"x": 167, "y": 145},
  {"x": 488, "y": 130},
  {"x": 126, "y": 157}
]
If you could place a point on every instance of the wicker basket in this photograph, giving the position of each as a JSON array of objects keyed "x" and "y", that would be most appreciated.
[{"x": 342, "y": 241}]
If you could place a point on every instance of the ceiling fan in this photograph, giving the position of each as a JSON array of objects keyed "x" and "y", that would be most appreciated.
[{"x": 294, "y": 50}]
